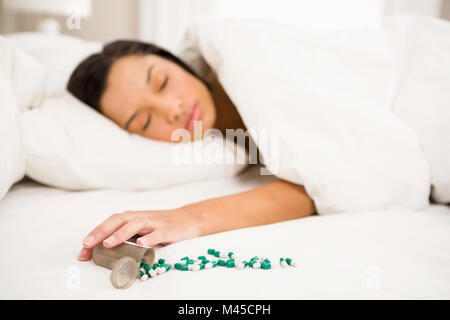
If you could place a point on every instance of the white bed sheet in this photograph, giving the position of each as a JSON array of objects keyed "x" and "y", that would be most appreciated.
[{"x": 366, "y": 255}]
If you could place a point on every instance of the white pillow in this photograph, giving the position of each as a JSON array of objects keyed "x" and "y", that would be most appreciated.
[
  {"x": 12, "y": 159},
  {"x": 26, "y": 76},
  {"x": 59, "y": 54},
  {"x": 71, "y": 146}
]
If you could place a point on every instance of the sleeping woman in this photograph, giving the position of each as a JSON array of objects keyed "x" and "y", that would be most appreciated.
[{"x": 146, "y": 90}]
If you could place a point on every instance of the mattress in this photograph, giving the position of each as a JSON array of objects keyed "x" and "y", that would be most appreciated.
[{"x": 390, "y": 254}]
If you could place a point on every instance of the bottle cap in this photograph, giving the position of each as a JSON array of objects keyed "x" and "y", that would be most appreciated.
[{"x": 124, "y": 272}]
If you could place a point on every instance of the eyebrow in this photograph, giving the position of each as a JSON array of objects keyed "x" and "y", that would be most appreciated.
[{"x": 147, "y": 80}]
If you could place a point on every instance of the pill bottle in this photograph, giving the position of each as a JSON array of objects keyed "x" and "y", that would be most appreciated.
[{"x": 124, "y": 261}]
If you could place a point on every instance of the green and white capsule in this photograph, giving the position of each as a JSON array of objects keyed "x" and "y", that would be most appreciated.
[
  {"x": 195, "y": 267},
  {"x": 230, "y": 263},
  {"x": 160, "y": 270},
  {"x": 152, "y": 273},
  {"x": 208, "y": 265},
  {"x": 291, "y": 262},
  {"x": 185, "y": 267},
  {"x": 144, "y": 277},
  {"x": 147, "y": 267}
]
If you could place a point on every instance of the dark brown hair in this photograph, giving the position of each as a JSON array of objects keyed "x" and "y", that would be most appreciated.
[{"x": 88, "y": 81}]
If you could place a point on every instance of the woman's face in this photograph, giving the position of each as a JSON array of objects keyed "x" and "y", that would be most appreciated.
[{"x": 152, "y": 96}]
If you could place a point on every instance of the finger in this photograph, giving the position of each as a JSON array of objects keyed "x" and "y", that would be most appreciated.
[
  {"x": 85, "y": 254},
  {"x": 104, "y": 230},
  {"x": 153, "y": 238},
  {"x": 124, "y": 233}
]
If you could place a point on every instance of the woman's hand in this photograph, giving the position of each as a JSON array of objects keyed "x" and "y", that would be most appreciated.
[
  {"x": 274, "y": 202},
  {"x": 154, "y": 227}
]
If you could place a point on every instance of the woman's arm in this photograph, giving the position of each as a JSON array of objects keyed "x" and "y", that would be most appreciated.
[{"x": 273, "y": 202}]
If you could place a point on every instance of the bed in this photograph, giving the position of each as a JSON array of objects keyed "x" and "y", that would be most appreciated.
[
  {"x": 402, "y": 252},
  {"x": 393, "y": 254}
]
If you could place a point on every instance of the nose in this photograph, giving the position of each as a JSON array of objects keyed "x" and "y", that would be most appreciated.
[{"x": 171, "y": 110}]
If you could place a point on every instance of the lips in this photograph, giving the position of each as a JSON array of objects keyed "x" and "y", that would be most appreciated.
[{"x": 193, "y": 116}]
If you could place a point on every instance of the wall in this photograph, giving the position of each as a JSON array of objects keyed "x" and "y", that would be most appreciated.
[
  {"x": 110, "y": 19},
  {"x": 446, "y": 10}
]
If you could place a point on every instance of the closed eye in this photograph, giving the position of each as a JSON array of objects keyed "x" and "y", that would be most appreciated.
[
  {"x": 164, "y": 84},
  {"x": 146, "y": 123}
]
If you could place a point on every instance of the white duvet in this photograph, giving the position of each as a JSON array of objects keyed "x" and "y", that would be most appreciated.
[{"x": 360, "y": 118}]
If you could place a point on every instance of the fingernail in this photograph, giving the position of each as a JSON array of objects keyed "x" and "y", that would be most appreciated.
[
  {"x": 88, "y": 240},
  {"x": 110, "y": 241},
  {"x": 142, "y": 241},
  {"x": 83, "y": 254}
]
